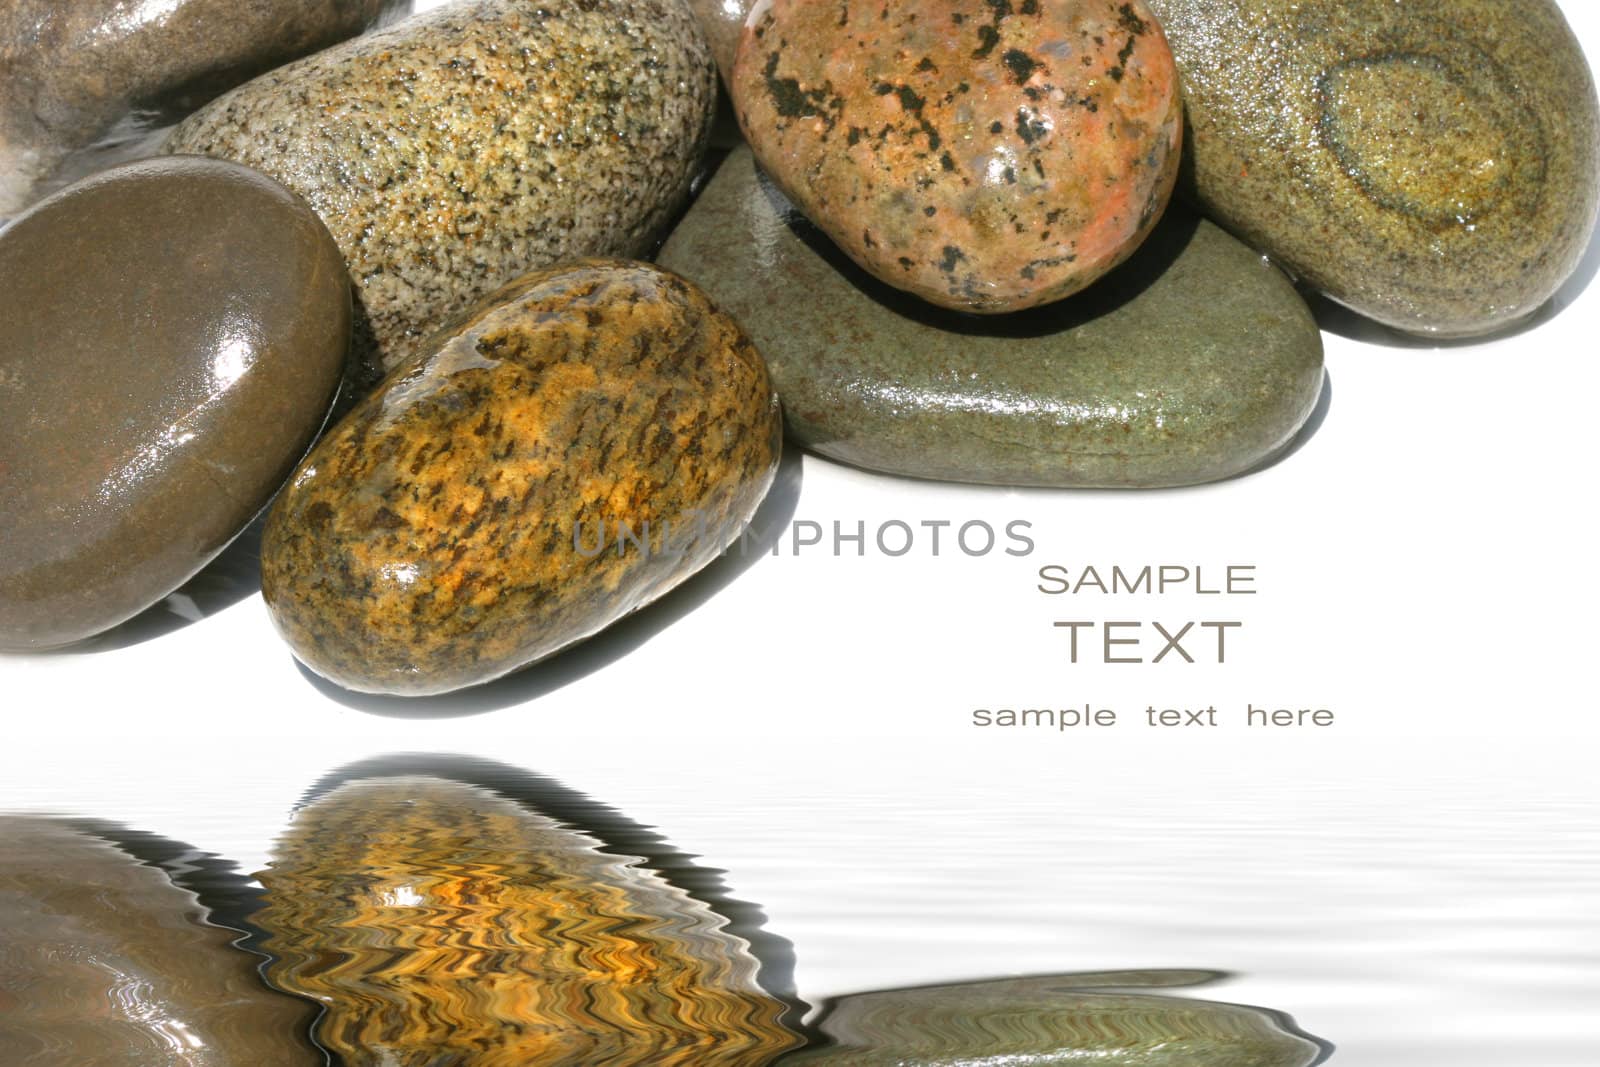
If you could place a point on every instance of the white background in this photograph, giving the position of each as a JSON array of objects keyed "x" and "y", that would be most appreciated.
[{"x": 1426, "y": 570}]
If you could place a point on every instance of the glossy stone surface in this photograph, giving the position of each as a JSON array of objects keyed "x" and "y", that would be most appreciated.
[
  {"x": 456, "y": 150},
  {"x": 984, "y": 156},
  {"x": 722, "y": 21},
  {"x": 1194, "y": 361},
  {"x": 464, "y": 928},
  {"x": 174, "y": 334},
  {"x": 1433, "y": 166},
  {"x": 104, "y": 962},
  {"x": 1039, "y": 1021},
  {"x": 70, "y": 70},
  {"x": 463, "y": 520}
]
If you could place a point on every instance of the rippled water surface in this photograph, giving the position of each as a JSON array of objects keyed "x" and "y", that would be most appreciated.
[{"x": 405, "y": 909}]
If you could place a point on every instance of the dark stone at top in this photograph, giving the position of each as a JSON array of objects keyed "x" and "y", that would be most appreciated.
[{"x": 70, "y": 70}]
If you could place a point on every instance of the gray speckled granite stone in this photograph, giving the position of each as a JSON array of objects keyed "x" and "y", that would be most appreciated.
[
  {"x": 72, "y": 69},
  {"x": 1192, "y": 362},
  {"x": 1059, "y": 1021},
  {"x": 456, "y": 150},
  {"x": 1431, "y": 165}
]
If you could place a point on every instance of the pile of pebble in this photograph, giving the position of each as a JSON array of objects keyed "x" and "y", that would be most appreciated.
[{"x": 944, "y": 240}]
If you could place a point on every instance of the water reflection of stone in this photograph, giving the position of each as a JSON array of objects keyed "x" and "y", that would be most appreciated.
[
  {"x": 105, "y": 961},
  {"x": 1068, "y": 1020},
  {"x": 438, "y": 921}
]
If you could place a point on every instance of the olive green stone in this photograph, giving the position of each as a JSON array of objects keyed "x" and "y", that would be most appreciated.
[
  {"x": 1058, "y": 1021},
  {"x": 105, "y": 962},
  {"x": 1194, "y": 361},
  {"x": 1433, "y": 166}
]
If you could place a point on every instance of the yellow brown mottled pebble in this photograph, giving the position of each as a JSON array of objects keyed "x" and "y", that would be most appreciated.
[
  {"x": 455, "y": 151},
  {"x": 1434, "y": 166},
  {"x": 437, "y": 922},
  {"x": 985, "y": 155},
  {"x": 574, "y": 448}
]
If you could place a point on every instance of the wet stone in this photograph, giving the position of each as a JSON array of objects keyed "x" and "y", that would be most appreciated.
[
  {"x": 723, "y": 23},
  {"x": 454, "y": 151},
  {"x": 1192, "y": 362},
  {"x": 985, "y": 156},
  {"x": 470, "y": 929},
  {"x": 106, "y": 962},
  {"x": 1055, "y": 1021},
  {"x": 72, "y": 70},
  {"x": 1432, "y": 166},
  {"x": 175, "y": 333},
  {"x": 579, "y": 445}
]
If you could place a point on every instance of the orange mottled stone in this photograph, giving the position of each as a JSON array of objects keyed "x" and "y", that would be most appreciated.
[
  {"x": 584, "y": 441},
  {"x": 986, "y": 155}
]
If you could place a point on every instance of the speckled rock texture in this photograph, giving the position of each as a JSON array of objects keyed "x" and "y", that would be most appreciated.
[
  {"x": 985, "y": 155},
  {"x": 463, "y": 521},
  {"x": 70, "y": 70},
  {"x": 105, "y": 962},
  {"x": 1194, "y": 361},
  {"x": 469, "y": 930},
  {"x": 1433, "y": 166},
  {"x": 723, "y": 24},
  {"x": 1040, "y": 1021},
  {"x": 174, "y": 335},
  {"x": 456, "y": 150}
]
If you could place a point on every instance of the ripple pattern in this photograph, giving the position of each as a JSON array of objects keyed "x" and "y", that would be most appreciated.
[
  {"x": 104, "y": 961},
  {"x": 1027, "y": 1021},
  {"x": 438, "y": 922}
]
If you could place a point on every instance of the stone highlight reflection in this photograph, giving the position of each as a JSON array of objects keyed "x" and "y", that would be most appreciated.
[
  {"x": 105, "y": 962},
  {"x": 438, "y": 921},
  {"x": 1066, "y": 1020}
]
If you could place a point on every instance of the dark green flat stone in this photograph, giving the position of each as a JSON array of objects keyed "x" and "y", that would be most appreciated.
[{"x": 1194, "y": 361}]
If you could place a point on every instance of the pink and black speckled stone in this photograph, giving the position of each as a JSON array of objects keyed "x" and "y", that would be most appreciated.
[{"x": 986, "y": 155}]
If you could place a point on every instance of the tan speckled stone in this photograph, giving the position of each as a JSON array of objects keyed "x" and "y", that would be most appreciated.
[
  {"x": 1431, "y": 165},
  {"x": 462, "y": 147}
]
